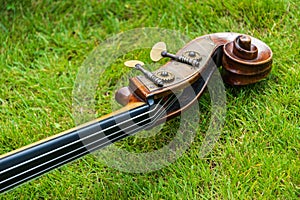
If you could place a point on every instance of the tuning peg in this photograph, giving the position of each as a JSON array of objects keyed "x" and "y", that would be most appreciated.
[
  {"x": 139, "y": 66},
  {"x": 159, "y": 50},
  {"x": 156, "y": 51},
  {"x": 133, "y": 63}
]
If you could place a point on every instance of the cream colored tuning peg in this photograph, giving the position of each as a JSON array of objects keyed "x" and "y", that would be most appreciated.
[
  {"x": 156, "y": 51},
  {"x": 133, "y": 63}
]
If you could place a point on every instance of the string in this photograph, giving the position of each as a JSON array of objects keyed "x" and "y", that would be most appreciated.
[
  {"x": 92, "y": 149},
  {"x": 69, "y": 144},
  {"x": 53, "y": 166}
]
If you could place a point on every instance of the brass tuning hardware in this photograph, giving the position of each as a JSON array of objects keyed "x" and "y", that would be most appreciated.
[
  {"x": 159, "y": 50},
  {"x": 139, "y": 66}
]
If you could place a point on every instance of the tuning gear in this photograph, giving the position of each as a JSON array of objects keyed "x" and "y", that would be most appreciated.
[
  {"x": 166, "y": 76},
  {"x": 159, "y": 50},
  {"x": 139, "y": 66}
]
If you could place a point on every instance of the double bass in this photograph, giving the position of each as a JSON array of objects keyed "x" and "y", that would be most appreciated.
[{"x": 242, "y": 60}]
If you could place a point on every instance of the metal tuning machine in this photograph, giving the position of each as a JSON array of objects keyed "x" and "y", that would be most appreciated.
[
  {"x": 159, "y": 50},
  {"x": 151, "y": 76}
]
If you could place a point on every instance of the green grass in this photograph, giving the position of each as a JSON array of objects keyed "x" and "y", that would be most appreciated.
[{"x": 43, "y": 43}]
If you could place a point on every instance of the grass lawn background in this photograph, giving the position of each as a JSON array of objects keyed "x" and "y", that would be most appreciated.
[{"x": 43, "y": 43}]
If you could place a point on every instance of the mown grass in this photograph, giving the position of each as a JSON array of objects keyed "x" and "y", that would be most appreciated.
[{"x": 43, "y": 43}]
